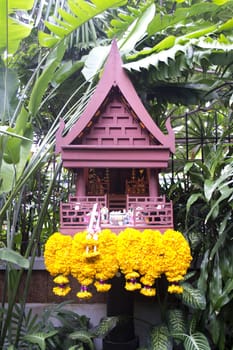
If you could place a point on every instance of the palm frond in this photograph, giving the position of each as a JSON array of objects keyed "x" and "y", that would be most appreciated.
[{"x": 80, "y": 13}]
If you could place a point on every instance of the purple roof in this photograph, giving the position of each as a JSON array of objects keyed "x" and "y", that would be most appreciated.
[{"x": 115, "y": 76}]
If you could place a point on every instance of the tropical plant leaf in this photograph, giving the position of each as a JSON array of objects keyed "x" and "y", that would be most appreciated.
[
  {"x": 41, "y": 85},
  {"x": 225, "y": 297},
  {"x": 39, "y": 338},
  {"x": 136, "y": 31},
  {"x": 11, "y": 256},
  {"x": 105, "y": 325},
  {"x": 84, "y": 337},
  {"x": 160, "y": 338},
  {"x": 196, "y": 341},
  {"x": 177, "y": 323},
  {"x": 95, "y": 61},
  {"x": 13, "y": 30},
  {"x": 192, "y": 199},
  {"x": 81, "y": 12},
  {"x": 193, "y": 297}
]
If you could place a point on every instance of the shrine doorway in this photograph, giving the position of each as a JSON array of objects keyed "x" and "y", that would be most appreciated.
[{"x": 117, "y": 183}]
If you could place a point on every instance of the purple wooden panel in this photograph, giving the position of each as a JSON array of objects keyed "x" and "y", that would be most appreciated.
[
  {"x": 141, "y": 212},
  {"x": 116, "y": 121},
  {"x": 108, "y": 155}
]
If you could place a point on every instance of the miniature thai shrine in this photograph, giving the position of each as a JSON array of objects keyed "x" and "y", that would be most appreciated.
[{"x": 116, "y": 152}]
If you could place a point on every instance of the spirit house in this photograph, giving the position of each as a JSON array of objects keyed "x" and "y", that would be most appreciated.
[{"x": 116, "y": 152}]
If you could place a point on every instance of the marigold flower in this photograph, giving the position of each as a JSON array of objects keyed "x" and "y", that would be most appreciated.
[
  {"x": 84, "y": 293},
  {"x": 61, "y": 291},
  {"x": 173, "y": 288},
  {"x": 57, "y": 254},
  {"x": 102, "y": 286}
]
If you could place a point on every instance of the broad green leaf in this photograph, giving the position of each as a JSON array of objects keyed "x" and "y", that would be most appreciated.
[
  {"x": 176, "y": 323},
  {"x": 65, "y": 71},
  {"x": 7, "y": 177},
  {"x": 202, "y": 281},
  {"x": 11, "y": 256},
  {"x": 228, "y": 25},
  {"x": 160, "y": 23},
  {"x": 155, "y": 58},
  {"x": 95, "y": 61},
  {"x": 209, "y": 188},
  {"x": 9, "y": 173},
  {"x": 192, "y": 199},
  {"x": 12, "y": 150},
  {"x": 83, "y": 11},
  {"x": 8, "y": 88},
  {"x": 225, "y": 297},
  {"x": 160, "y": 338},
  {"x": 39, "y": 338},
  {"x": 137, "y": 29},
  {"x": 46, "y": 39},
  {"x": 42, "y": 83},
  {"x": 105, "y": 325},
  {"x": 193, "y": 297},
  {"x": 226, "y": 192},
  {"x": 214, "y": 327},
  {"x": 215, "y": 281},
  {"x": 196, "y": 341},
  {"x": 220, "y": 2},
  {"x": 84, "y": 337},
  {"x": 13, "y": 30}
]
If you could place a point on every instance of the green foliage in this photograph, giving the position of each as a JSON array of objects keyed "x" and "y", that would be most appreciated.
[
  {"x": 79, "y": 14},
  {"x": 178, "y": 53},
  {"x": 10, "y": 256},
  {"x": 13, "y": 29},
  {"x": 39, "y": 338},
  {"x": 160, "y": 338},
  {"x": 73, "y": 331},
  {"x": 193, "y": 297},
  {"x": 196, "y": 341},
  {"x": 105, "y": 325},
  {"x": 176, "y": 322}
]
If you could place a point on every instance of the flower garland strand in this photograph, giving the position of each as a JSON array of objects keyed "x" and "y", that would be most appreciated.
[
  {"x": 177, "y": 259},
  {"x": 56, "y": 258},
  {"x": 82, "y": 266},
  {"x": 141, "y": 256},
  {"x": 106, "y": 264},
  {"x": 151, "y": 260},
  {"x": 128, "y": 256}
]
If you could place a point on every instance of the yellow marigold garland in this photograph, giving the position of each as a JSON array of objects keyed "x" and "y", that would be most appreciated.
[
  {"x": 57, "y": 254},
  {"x": 151, "y": 259},
  {"x": 177, "y": 258},
  {"x": 128, "y": 255},
  {"x": 106, "y": 263},
  {"x": 62, "y": 288},
  {"x": 141, "y": 256},
  {"x": 82, "y": 268}
]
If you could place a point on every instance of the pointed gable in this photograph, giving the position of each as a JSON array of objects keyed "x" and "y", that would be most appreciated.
[{"x": 113, "y": 119}]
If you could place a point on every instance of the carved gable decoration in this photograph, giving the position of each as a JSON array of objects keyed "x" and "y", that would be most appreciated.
[{"x": 115, "y": 127}]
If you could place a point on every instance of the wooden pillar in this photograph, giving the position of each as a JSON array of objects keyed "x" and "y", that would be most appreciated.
[
  {"x": 153, "y": 183},
  {"x": 81, "y": 183},
  {"x": 120, "y": 303}
]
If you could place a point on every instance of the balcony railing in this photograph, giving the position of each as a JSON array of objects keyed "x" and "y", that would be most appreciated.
[{"x": 139, "y": 212}]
